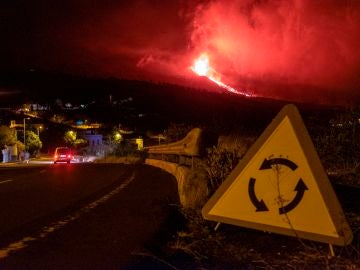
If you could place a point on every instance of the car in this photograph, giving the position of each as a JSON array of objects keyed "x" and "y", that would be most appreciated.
[{"x": 63, "y": 154}]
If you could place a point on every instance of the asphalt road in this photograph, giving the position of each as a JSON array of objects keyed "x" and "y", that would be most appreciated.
[{"x": 82, "y": 216}]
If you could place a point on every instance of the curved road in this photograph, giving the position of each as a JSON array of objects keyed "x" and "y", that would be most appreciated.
[{"x": 82, "y": 216}]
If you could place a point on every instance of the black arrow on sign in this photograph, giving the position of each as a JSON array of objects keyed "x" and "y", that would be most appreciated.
[
  {"x": 282, "y": 161},
  {"x": 259, "y": 205},
  {"x": 300, "y": 188}
]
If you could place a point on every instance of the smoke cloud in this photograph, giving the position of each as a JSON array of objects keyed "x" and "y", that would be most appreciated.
[{"x": 302, "y": 42}]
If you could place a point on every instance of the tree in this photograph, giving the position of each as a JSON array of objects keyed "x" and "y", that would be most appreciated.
[
  {"x": 116, "y": 136},
  {"x": 20, "y": 146},
  {"x": 7, "y": 136},
  {"x": 33, "y": 143},
  {"x": 71, "y": 139}
]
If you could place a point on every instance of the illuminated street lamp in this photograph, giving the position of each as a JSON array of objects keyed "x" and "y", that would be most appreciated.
[
  {"x": 38, "y": 130},
  {"x": 117, "y": 136}
]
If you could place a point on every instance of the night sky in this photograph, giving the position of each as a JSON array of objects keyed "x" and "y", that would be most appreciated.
[{"x": 251, "y": 43}]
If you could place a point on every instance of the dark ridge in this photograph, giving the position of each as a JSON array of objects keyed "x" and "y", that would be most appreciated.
[{"x": 162, "y": 102}]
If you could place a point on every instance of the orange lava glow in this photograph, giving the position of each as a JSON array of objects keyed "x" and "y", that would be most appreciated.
[{"x": 201, "y": 67}]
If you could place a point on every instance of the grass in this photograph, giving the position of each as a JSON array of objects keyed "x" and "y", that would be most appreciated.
[
  {"x": 233, "y": 247},
  {"x": 123, "y": 160}
]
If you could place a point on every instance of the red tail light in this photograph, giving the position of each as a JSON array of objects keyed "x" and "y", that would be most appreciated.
[{"x": 69, "y": 156}]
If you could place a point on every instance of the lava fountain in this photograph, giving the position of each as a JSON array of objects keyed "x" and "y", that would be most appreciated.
[{"x": 201, "y": 67}]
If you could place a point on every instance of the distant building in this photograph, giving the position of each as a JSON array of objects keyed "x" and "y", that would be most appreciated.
[
  {"x": 26, "y": 108},
  {"x": 39, "y": 107},
  {"x": 96, "y": 145}
]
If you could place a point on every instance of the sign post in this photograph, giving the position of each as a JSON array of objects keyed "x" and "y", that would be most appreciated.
[{"x": 280, "y": 186}]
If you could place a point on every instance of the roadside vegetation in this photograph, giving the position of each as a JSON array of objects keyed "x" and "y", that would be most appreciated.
[
  {"x": 9, "y": 138},
  {"x": 338, "y": 145},
  {"x": 124, "y": 151}
]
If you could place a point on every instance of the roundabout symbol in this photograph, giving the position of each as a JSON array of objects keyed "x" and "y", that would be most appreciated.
[{"x": 300, "y": 187}]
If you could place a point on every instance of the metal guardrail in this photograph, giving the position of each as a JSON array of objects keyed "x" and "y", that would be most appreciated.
[
  {"x": 182, "y": 152},
  {"x": 189, "y": 146}
]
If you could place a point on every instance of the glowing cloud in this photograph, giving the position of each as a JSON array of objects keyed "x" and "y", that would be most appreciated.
[{"x": 287, "y": 42}]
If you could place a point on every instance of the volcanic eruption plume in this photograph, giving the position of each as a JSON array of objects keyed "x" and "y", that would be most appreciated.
[{"x": 290, "y": 49}]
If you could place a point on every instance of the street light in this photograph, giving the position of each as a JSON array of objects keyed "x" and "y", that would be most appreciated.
[
  {"x": 38, "y": 130},
  {"x": 117, "y": 136},
  {"x": 25, "y": 133}
]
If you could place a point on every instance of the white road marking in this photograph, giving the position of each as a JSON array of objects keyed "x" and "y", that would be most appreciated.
[
  {"x": 6, "y": 181},
  {"x": 46, "y": 230}
]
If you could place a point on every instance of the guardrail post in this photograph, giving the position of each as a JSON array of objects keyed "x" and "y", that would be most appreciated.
[{"x": 180, "y": 151}]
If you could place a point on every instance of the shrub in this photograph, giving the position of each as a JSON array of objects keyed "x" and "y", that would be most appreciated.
[
  {"x": 176, "y": 132},
  {"x": 125, "y": 148},
  {"x": 7, "y": 136},
  {"x": 196, "y": 188},
  {"x": 338, "y": 141},
  {"x": 219, "y": 163},
  {"x": 33, "y": 143}
]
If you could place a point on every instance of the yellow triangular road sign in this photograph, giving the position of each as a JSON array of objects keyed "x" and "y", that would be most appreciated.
[{"x": 280, "y": 186}]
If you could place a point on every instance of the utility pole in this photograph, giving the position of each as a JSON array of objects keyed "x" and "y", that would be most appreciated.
[{"x": 24, "y": 135}]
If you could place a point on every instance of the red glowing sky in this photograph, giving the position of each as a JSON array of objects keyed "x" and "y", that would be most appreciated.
[{"x": 262, "y": 45}]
